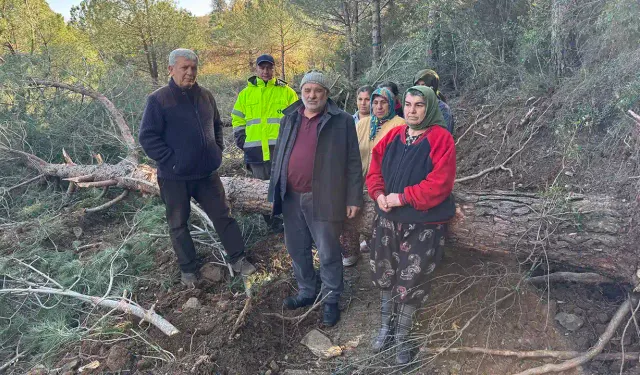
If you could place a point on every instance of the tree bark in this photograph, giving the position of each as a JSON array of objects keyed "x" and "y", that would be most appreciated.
[
  {"x": 586, "y": 232},
  {"x": 375, "y": 32},
  {"x": 351, "y": 40}
]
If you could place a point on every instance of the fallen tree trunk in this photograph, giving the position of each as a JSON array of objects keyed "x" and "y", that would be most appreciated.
[
  {"x": 597, "y": 233},
  {"x": 588, "y": 232}
]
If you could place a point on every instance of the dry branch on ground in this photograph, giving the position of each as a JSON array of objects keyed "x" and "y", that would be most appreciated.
[{"x": 615, "y": 322}]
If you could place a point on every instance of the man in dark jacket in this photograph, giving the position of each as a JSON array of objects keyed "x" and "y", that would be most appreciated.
[
  {"x": 181, "y": 130},
  {"x": 316, "y": 183}
]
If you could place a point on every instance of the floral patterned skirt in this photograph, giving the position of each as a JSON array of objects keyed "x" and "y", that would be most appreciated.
[{"x": 403, "y": 257}]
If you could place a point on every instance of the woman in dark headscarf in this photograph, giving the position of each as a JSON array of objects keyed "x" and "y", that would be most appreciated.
[
  {"x": 410, "y": 177},
  {"x": 430, "y": 78},
  {"x": 370, "y": 131}
]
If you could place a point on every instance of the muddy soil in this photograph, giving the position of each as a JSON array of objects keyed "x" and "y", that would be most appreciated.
[{"x": 465, "y": 285}]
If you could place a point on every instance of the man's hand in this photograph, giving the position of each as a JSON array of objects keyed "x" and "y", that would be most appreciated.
[
  {"x": 382, "y": 203},
  {"x": 393, "y": 200},
  {"x": 352, "y": 211}
]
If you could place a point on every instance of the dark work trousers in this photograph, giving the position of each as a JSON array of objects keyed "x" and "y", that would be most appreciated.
[
  {"x": 262, "y": 171},
  {"x": 300, "y": 231},
  {"x": 209, "y": 192}
]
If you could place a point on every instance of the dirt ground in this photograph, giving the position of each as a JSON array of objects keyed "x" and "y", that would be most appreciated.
[{"x": 465, "y": 285}]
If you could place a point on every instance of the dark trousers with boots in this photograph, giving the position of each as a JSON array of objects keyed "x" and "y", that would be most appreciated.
[
  {"x": 262, "y": 171},
  {"x": 209, "y": 193}
]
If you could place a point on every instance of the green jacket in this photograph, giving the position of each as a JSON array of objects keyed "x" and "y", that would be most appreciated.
[{"x": 256, "y": 117}]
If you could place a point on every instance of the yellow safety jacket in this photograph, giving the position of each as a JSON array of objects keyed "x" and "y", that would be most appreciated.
[{"x": 256, "y": 117}]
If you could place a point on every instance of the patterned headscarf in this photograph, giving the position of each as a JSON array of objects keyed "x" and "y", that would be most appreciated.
[
  {"x": 433, "y": 115},
  {"x": 375, "y": 122}
]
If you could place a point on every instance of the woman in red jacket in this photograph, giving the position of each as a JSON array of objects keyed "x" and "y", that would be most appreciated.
[{"x": 411, "y": 178}]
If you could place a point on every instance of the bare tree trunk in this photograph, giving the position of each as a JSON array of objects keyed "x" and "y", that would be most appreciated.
[
  {"x": 351, "y": 42},
  {"x": 282, "y": 51},
  {"x": 558, "y": 10},
  {"x": 433, "y": 25},
  {"x": 152, "y": 47},
  {"x": 375, "y": 32}
]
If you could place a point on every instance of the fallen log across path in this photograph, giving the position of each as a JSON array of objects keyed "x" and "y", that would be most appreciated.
[{"x": 588, "y": 232}]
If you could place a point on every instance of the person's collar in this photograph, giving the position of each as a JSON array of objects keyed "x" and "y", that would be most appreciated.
[
  {"x": 317, "y": 115},
  {"x": 259, "y": 82},
  {"x": 174, "y": 86}
]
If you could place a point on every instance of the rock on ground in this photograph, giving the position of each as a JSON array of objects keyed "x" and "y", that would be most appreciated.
[
  {"x": 320, "y": 345},
  {"x": 118, "y": 358},
  {"x": 211, "y": 273},
  {"x": 192, "y": 303},
  {"x": 569, "y": 321}
]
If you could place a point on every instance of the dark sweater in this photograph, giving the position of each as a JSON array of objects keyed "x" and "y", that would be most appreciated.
[
  {"x": 422, "y": 173},
  {"x": 181, "y": 130}
]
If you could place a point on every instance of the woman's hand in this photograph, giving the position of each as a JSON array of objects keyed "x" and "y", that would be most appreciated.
[
  {"x": 382, "y": 203},
  {"x": 393, "y": 200}
]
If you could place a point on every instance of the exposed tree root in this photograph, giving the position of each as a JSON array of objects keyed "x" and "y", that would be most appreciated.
[{"x": 241, "y": 317}]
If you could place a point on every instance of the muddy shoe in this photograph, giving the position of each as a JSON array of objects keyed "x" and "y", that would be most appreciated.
[
  {"x": 330, "y": 314},
  {"x": 189, "y": 279},
  {"x": 297, "y": 301},
  {"x": 243, "y": 267}
]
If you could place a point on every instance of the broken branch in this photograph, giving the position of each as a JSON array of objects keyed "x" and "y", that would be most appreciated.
[
  {"x": 622, "y": 312},
  {"x": 634, "y": 115},
  {"x": 120, "y": 304},
  {"x": 477, "y": 122},
  {"x": 97, "y": 184},
  {"x": 115, "y": 113},
  {"x": 299, "y": 318},
  {"x": 38, "y": 177},
  {"x": 13, "y": 360},
  {"x": 534, "y": 354},
  {"x": 110, "y": 203},
  {"x": 585, "y": 278}
]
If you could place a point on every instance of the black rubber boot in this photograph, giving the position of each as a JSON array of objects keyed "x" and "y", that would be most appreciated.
[
  {"x": 385, "y": 333},
  {"x": 405, "y": 321}
]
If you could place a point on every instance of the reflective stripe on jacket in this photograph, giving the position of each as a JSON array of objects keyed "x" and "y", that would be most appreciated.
[{"x": 256, "y": 117}]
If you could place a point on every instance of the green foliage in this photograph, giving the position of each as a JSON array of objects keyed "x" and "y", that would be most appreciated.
[{"x": 135, "y": 32}]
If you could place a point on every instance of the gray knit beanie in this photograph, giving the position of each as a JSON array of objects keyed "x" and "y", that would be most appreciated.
[{"x": 315, "y": 76}]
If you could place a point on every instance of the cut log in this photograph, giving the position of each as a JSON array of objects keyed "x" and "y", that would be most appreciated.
[{"x": 595, "y": 233}]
